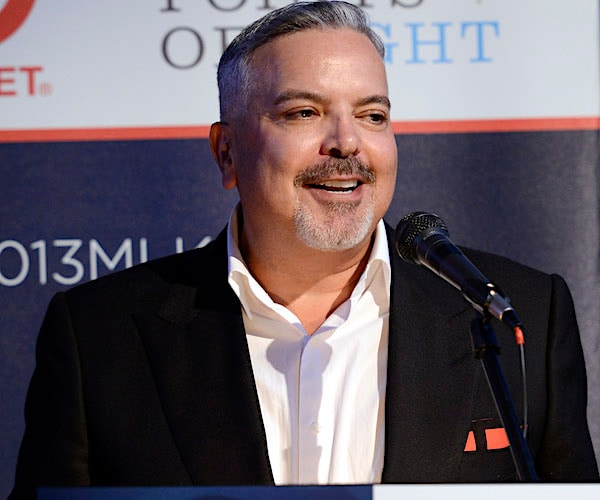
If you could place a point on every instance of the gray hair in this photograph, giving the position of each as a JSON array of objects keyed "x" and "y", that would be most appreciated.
[{"x": 234, "y": 73}]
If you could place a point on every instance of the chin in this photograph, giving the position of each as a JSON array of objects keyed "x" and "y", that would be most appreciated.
[{"x": 333, "y": 236}]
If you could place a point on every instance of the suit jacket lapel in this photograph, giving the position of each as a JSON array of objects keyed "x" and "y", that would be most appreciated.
[
  {"x": 198, "y": 354},
  {"x": 432, "y": 377}
]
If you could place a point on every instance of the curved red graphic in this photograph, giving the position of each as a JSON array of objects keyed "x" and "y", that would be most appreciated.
[{"x": 12, "y": 16}]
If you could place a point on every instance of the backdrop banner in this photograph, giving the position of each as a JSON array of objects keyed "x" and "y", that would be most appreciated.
[{"x": 105, "y": 109}]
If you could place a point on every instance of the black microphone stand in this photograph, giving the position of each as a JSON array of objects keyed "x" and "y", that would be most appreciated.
[{"x": 485, "y": 347}]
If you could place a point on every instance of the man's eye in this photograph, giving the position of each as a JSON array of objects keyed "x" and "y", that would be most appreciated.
[
  {"x": 300, "y": 113},
  {"x": 377, "y": 117}
]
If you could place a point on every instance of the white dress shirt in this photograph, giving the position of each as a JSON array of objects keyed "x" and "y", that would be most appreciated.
[{"x": 321, "y": 396}]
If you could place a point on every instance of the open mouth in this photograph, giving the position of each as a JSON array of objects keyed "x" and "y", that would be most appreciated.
[{"x": 337, "y": 186}]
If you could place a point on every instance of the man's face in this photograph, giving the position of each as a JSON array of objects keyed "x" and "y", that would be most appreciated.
[{"x": 314, "y": 156}]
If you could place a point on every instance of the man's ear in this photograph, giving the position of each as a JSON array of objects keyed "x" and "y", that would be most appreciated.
[{"x": 220, "y": 147}]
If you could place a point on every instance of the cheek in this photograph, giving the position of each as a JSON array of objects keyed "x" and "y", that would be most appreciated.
[
  {"x": 265, "y": 184},
  {"x": 385, "y": 153},
  {"x": 278, "y": 161},
  {"x": 386, "y": 178}
]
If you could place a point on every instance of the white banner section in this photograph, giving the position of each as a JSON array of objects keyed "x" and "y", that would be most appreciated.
[{"x": 151, "y": 64}]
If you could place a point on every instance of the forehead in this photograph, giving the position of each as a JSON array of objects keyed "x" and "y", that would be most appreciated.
[{"x": 327, "y": 59}]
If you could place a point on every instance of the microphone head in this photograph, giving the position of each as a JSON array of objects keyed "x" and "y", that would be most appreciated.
[{"x": 412, "y": 228}]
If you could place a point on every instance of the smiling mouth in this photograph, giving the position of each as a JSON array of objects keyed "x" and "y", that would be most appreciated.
[
  {"x": 336, "y": 186},
  {"x": 336, "y": 176}
]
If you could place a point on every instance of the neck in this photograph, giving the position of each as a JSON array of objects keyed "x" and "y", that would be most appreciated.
[{"x": 310, "y": 283}]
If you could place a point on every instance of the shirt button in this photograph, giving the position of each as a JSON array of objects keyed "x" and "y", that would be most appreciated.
[{"x": 315, "y": 428}]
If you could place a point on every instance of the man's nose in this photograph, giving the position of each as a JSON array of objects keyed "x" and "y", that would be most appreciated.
[{"x": 342, "y": 139}]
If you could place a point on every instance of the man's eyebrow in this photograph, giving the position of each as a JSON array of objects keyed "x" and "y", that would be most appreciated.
[
  {"x": 375, "y": 99},
  {"x": 298, "y": 94},
  {"x": 315, "y": 97}
]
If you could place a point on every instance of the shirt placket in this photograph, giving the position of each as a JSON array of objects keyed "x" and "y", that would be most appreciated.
[{"x": 313, "y": 425}]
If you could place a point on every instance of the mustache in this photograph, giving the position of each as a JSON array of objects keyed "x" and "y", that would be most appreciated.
[{"x": 336, "y": 167}]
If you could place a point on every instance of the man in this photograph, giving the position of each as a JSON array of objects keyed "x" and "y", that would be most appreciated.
[{"x": 297, "y": 348}]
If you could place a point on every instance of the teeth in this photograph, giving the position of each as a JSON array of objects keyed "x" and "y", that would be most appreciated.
[{"x": 334, "y": 184}]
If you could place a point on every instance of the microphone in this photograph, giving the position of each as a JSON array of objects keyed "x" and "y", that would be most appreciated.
[{"x": 423, "y": 238}]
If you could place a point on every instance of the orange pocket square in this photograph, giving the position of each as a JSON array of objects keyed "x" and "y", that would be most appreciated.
[{"x": 485, "y": 437}]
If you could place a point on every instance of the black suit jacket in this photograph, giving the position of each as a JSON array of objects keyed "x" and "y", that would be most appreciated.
[{"x": 143, "y": 377}]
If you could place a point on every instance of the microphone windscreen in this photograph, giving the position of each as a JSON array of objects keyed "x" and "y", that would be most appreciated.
[{"x": 410, "y": 231}]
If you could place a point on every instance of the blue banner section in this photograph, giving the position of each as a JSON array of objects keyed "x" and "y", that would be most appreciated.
[
  {"x": 82, "y": 209},
  {"x": 74, "y": 211},
  {"x": 211, "y": 493}
]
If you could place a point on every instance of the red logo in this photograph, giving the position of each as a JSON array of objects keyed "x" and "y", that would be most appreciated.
[{"x": 12, "y": 16}]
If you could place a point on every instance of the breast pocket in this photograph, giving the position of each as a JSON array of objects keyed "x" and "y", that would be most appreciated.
[{"x": 486, "y": 456}]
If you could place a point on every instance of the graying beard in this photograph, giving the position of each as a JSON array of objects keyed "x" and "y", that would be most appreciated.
[{"x": 312, "y": 234}]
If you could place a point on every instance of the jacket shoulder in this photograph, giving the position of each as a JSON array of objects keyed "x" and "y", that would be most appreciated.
[{"x": 150, "y": 282}]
